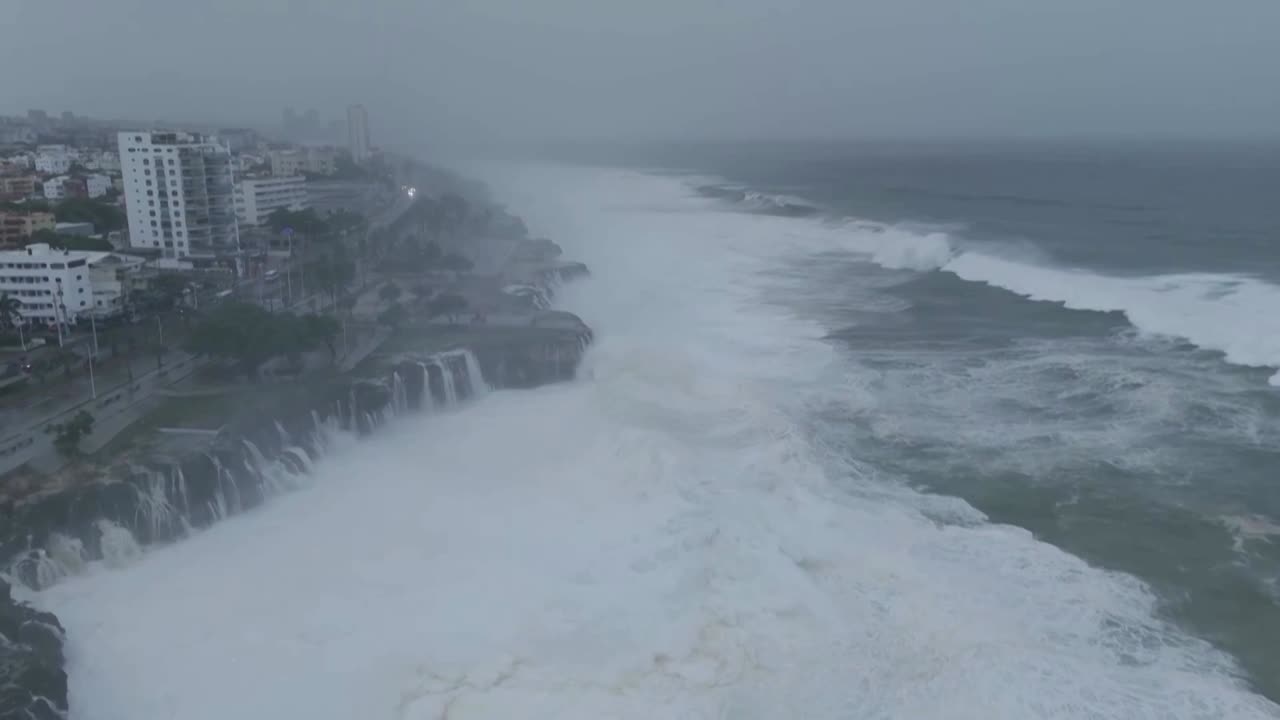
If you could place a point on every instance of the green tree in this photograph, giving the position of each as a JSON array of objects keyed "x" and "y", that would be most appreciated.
[
  {"x": 304, "y": 222},
  {"x": 422, "y": 292},
  {"x": 169, "y": 289},
  {"x": 241, "y": 332},
  {"x": 105, "y": 216},
  {"x": 454, "y": 210},
  {"x": 70, "y": 242},
  {"x": 344, "y": 221},
  {"x": 390, "y": 293},
  {"x": 67, "y": 435},
  {"x": 447, "y": 304},
  {"x": 456, "y": 263},
  {"x": 332, "y": 275},
  {"x": 432, "y": 252},
  {"x": 10, "y": 311},
  {"x": 393, "y": 317},
  {"x": 249, "y": 335},
  {"x": 320, "y": 330}
]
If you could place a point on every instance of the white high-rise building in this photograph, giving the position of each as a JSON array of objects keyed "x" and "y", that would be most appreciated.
[
  {"x": 257, "y": 198},
  {"x": 358, "y": 133},
  {"x": 179, "y": 189}
]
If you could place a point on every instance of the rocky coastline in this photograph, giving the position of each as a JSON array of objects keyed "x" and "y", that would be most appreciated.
[{"x": 145, "y": 501}]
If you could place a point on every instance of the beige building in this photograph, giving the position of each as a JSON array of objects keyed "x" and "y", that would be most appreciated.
[
  {"x": 17, "y": 187},
  {"x": 17, "y": 226}
]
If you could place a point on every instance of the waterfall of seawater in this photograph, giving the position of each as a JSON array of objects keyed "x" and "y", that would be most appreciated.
[
  {"x": 428, "y": 399},
  {"x": 163, "y": 497},
  {"x": 399, "y": 395},
  {"x": 475, "y": 382},
  {"x": 450, "y": 389}
]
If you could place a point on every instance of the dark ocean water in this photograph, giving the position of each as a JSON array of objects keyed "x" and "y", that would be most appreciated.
[{"x": 1124, "y": 414}]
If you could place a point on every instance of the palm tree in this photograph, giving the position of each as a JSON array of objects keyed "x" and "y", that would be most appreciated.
[
  {"x": 11, "y": 315},
  {"x": 9, "y": 310}
]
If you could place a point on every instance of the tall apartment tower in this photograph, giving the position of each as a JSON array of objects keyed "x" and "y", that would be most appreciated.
[
  {"x": 179, "y": 189},
  {"x": 358, "y": 133}
]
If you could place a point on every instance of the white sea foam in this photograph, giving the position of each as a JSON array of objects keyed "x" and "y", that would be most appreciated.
[
  {"x": 1230, "y": 313},
  {"x": 657, "y": 540},
  {"x": 1233, "y": 314}
]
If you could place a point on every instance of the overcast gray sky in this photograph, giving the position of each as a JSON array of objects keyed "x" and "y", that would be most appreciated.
[{"x": 660, "y": 68}]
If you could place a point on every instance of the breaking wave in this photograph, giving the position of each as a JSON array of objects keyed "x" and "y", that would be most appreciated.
[{"x": 1229, "y": 313}]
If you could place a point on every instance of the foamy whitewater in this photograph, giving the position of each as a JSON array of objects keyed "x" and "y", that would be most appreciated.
[
  {"x": 1231, "y": 313},
  {"x": 659, "y": 539}
]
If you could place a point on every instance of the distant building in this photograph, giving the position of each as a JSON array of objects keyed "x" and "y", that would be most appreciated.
[
  {"x": 239, "y": 139},
  {"x": 17, "y": 226},
  {"x": 179, "y": 189},
  {"x": 17, "y": 134},
  {"x": 52, "y": 285},
  {"x": 295, "y": 161},
  {"x": 287, "y": 163},
  {"x": 257, "y": 198},
  {"x": 54, "y": 159},
  {"x": 358, "y": 133},
  {"x": 18, "y": 187},
  {"x": 104, "y": 161},
  {"x": 97, "y": 185},
  {"x": 62, "y": 187},
  {"x": 322, "y": 160},
  {"x": 17, "y": 163},
  {"x": 113, "y": 277}
]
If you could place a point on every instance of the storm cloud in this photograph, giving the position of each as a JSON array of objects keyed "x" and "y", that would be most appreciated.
[{"x": 489, "y": 70}]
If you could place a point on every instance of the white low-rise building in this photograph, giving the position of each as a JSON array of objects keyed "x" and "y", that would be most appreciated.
[
  {"x": 54, "y": 159},
  {"x": 55, "y": 188},
  {"x": 52, "y": 285},
  {"x": 257, "y": 198},
  {"x": 287, "y": 163},
  {"x": 113, "y": 276},
  {"x": 97, "y": 185},
  {"x": 104, "y": 161}
]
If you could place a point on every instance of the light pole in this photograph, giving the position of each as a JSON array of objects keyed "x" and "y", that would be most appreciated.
[
  {"x": 57, "y": 321},
  {"x": 93, "y": 385},
  {"x": 288, "y": 270},
  {"x": 160, "y": 328}
]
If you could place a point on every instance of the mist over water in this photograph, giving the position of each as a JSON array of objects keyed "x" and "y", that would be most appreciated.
[{"x": 666, "y": 537}]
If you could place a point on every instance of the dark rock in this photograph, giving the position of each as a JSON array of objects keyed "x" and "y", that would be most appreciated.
[{"x": 32, "y": 681}]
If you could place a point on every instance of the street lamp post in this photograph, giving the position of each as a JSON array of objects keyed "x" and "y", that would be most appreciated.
[{"x": 288, "y": 271}]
